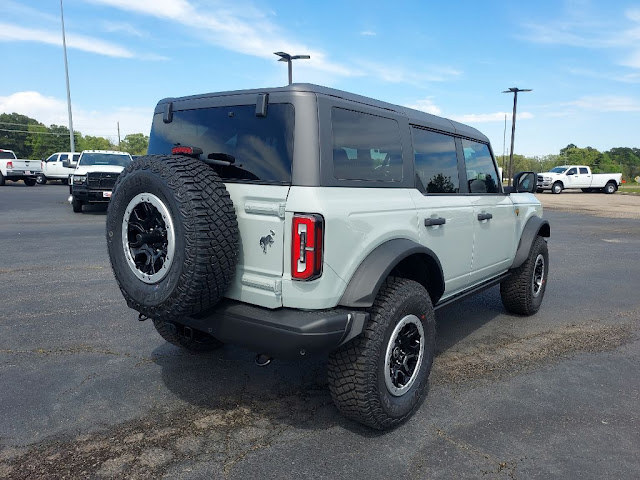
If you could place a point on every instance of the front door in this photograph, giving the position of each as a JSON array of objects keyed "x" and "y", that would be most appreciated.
[{"x": 493, "y": 214}]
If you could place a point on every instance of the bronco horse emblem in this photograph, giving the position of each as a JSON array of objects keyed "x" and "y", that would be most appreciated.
[{"x": 267, "y": 241}]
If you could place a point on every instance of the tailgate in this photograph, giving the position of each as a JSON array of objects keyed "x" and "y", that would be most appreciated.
[
  {"x": 260, "y": 213},
  {"x": 27, "y": 166}
]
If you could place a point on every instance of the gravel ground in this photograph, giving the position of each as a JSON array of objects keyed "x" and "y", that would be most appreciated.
[
  {"x": 87, "y": 391},
  {"x": 617, "y": 205}
]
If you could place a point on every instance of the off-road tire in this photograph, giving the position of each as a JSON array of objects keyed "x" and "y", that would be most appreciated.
[
  {"x": 205, "y": 231},
  {"x": 610, "y": 188},
  {"x": 175, "y": 334},
  {"x": 517, "y": 291},
  {"x": 557, "y": 188},
  {"x": 29, "y": 182},
  {"x": 76, "y": 205},
  {"x": 356, "y": 371},
  {"x": 41, "y": 179}
]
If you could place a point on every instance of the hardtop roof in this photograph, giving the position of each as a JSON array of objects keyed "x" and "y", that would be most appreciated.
[{"x": 414, "y": 116}]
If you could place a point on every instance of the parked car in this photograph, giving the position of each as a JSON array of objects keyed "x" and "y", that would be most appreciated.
[
  {"x": 53, "y": 167},
  {"x": 304, "y": 219},
  {"x": 94, "y": 175},
  {"x": 15, "y": 169},
  {"x": 578, "y": 176}
]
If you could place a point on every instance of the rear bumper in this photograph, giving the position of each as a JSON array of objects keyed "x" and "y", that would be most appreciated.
[
  {"x": 284, "y": 332},
  {"x": 21, "y": 174}
]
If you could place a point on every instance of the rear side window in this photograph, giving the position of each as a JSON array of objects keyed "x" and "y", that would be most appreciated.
[
  {"x": 436, "y": 162},
  {"x": 583, "y": 170},
  {"x": 365, "y": 147},
  {"x": 482, "y": 176},
  {"x": 261, "y": 146}
]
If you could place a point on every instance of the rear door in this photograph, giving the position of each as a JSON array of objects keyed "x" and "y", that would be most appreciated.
[
  {"x": 258, "y": 180},
  {"x": 444, "y": 213},
  {"x": 584, "y": 177},
  {"x": 493, "y": 213}
]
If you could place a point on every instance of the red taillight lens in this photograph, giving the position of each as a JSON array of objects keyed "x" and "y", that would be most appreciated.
[
  {"x": 307, "y": 246},
  {"x": 9, "y": 164},
  {"x": 183, "y": 150}
]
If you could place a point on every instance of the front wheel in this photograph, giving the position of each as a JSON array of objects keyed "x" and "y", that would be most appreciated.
[
  {"x": 557, "y": 188},
  {"x": 41, "y": 179},
  {"x": 610, "y": 188},
  {"x": 523, "y": 291},
  {"x": 379, "y": 379},
  {"x": 77, "y": 205}
]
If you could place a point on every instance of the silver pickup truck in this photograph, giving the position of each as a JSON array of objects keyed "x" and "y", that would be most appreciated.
[{"x": 15, "y": 169}]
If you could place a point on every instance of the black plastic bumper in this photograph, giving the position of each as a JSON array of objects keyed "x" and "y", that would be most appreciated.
[
  {"x": 86, "y": 195},
  {"x": 284, "y": 332}
]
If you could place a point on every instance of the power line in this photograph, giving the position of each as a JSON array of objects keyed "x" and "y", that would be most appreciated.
[{"x": 37, "y": 133}]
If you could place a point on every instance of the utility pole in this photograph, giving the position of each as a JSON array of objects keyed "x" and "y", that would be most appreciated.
[
  {"x": 66, "y": 71},
  {"x": 504, "y": 145},
  {"x": 119, "y": 137},
  {"x": 285, "y": 57},
  {"x": 515, "y": 91}
]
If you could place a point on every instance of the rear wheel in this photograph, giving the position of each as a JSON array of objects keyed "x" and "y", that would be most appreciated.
[
  {"x": 557, "y": 188},
  {"x": 610, "y": 188},
  {"x": 523, "y": 291},
  {"x": 186, "y": 337},
  {"x": 380, "y": 378},
  {"x": 41, "y": 179},
  {"x": 29, "y": 182}
]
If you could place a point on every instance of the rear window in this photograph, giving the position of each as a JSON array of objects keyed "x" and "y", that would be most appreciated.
[
  {"x": 365, "y": 147},
  {"x": 261, "y": 146},
  {"x": 7, "y": 156}
]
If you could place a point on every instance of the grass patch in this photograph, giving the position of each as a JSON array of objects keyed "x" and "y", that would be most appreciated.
[{"x": 635, "y": 189}]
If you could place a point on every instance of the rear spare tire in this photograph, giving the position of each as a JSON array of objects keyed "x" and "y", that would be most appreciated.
[{"x": 172, "y": 236}]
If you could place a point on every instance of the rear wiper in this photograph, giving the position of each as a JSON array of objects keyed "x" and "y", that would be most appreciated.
[{"x": 220, "y": 158}]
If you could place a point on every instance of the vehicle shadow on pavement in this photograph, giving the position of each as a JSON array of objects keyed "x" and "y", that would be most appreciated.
[{"x": 227, "y": 385}]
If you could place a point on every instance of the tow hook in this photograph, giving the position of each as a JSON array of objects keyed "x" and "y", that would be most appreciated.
[{"x": 262, "y": 360}]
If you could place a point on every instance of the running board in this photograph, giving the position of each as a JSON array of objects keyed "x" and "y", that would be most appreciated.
[{"x": 472, "y": 290}]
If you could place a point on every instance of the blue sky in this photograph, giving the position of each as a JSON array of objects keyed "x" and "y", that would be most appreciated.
[{"x": 581, "y": 58}]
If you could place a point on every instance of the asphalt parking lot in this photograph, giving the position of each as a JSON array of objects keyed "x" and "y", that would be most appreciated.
[{"x": 86, "y": 390}]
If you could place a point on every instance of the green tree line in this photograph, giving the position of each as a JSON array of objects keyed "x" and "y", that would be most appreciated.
[{"x": 29, "y": 138}]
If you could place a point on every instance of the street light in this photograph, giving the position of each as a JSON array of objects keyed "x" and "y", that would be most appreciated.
[
  {"x": 66, "y": 70},
  {"x": 515, "y": 91},
  {"x": 285, "y": 57}
]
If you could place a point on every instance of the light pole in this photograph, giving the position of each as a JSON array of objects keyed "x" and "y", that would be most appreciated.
[
  {"x": 515, "y": 91},
  {"x": 285, "y": 57},
  {"x": 66, "y": 70}
]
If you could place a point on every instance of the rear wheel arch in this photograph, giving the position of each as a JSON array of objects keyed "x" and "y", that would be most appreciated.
[{"x": 402, "y": 258}]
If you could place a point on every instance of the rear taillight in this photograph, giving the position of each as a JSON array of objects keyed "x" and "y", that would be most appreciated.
[
  {"x": 188, "y": 151},
  {"x": 307, "y": 246},
  {"x": 9, "y": 164}
]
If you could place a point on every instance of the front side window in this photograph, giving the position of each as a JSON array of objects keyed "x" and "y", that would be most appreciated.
[
  {"x": 482, "y": 176},
  {"x": 63, "y": 157},
  {"x": 261, "y": 147},
  {"x": 52, "y": 158},
  {"x": 365, "y": 147},
  {"x": 436, "y": 162},
  {"x": 572, "y": 171}
]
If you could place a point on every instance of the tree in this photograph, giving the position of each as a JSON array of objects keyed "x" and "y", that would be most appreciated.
[
  {"x": 47, "y": 140},
  {"x": 89, "y": 142},
  {"x": 135, "y": 144},
  {"x": 14, "y": 133}
]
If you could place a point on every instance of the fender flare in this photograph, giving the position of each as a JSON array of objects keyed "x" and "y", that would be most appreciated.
[
  {"x": 365, "y": 283},
  {"x": 535, "y": 226}
]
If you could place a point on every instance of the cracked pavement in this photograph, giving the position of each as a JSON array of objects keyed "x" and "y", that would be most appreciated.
[{"x": 86, "y": 390}]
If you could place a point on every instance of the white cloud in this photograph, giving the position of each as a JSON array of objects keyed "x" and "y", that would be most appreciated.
[
  {"x": 51, "y": 110},
  {"x": 490, "y": 117},
  {"x": 368, "y": 33},
  {"x": 9, "y": 33},
  {"x": 126, "y": 28},
  {"x": 426, "y": 105},
  {"x": 391, "y": 73},
  {"x": 607, "y": 103}
]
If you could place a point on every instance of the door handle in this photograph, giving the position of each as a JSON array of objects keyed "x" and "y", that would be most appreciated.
[
  {"x": 484, "y": 216},
  {"x": 430, "y": 222}
]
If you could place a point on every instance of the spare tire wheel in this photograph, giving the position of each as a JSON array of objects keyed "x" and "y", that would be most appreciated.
[{"x": 172, "y": 236}]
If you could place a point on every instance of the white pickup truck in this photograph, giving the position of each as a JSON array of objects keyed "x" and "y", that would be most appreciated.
[
  {"x": 15, "y": 169},
  {"x": 578, "y": 176},
  {"x": 53, "y": 168}
]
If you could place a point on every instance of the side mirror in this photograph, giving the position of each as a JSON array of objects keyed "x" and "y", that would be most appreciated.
[
  {"x": 523, "y": 182},
  {"x": 69, "y": 164}
]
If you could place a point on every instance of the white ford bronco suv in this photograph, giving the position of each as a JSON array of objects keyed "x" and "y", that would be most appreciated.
[{"x": 302, "y": 219}]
